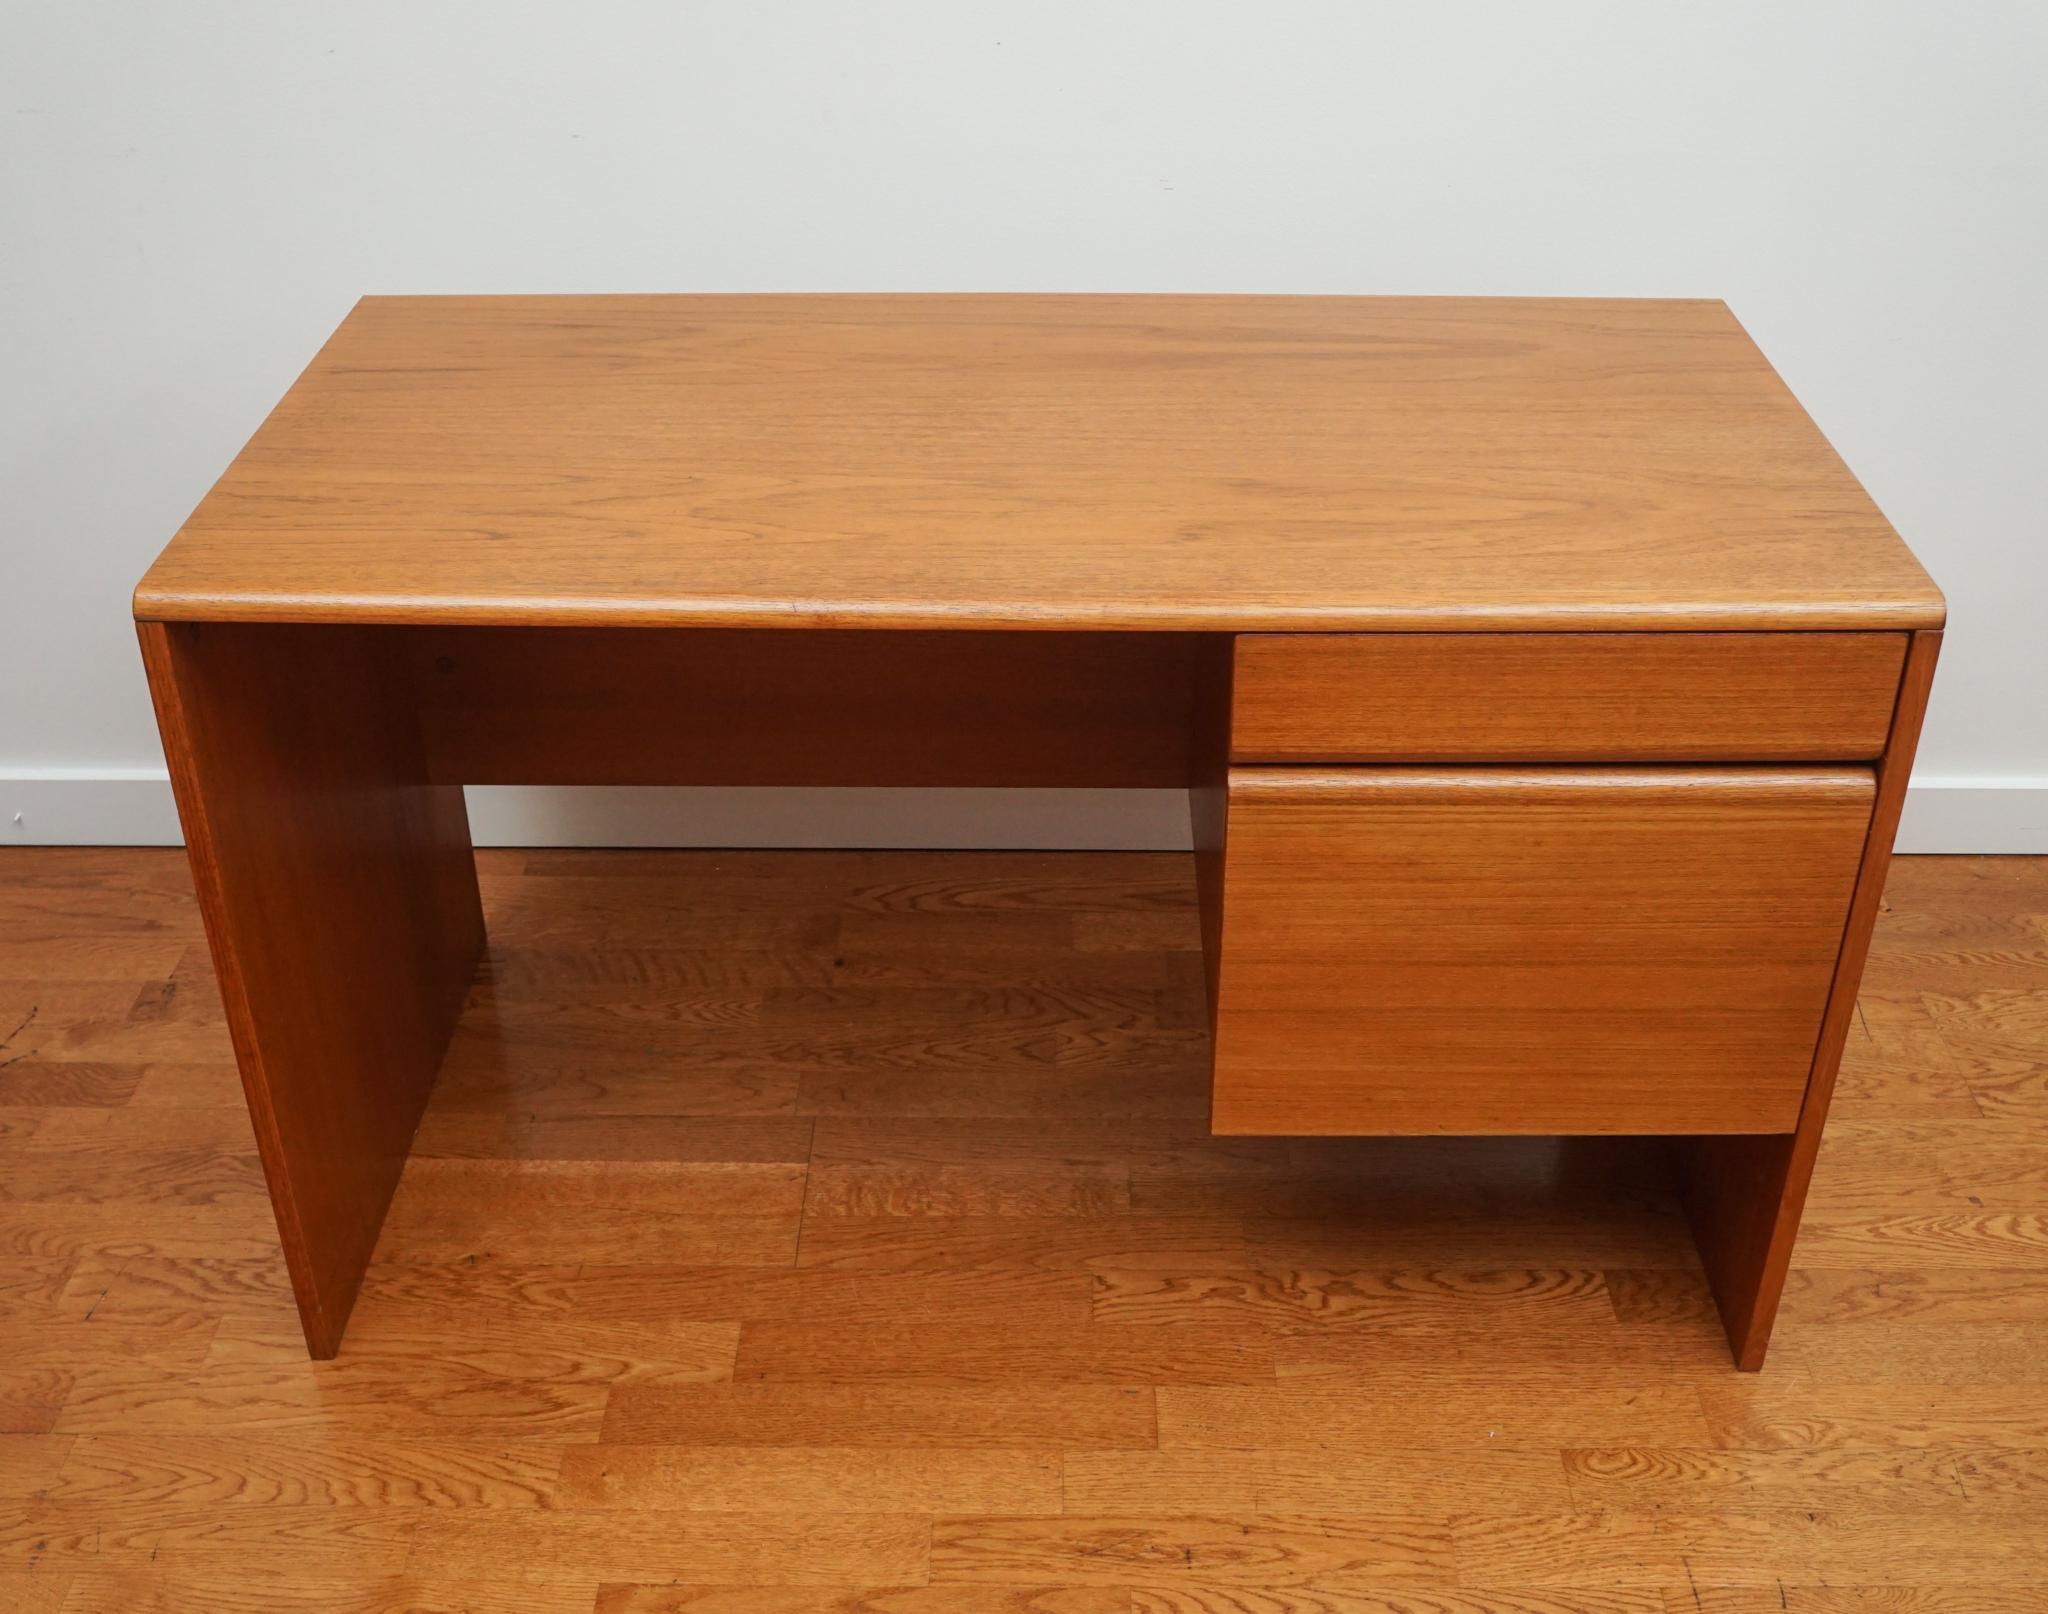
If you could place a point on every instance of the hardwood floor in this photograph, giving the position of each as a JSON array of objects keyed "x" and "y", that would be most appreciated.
[{"x": 810, "y": 1231}]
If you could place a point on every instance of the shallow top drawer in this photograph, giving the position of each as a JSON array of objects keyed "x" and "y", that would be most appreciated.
[{"x": 1563, "y": 697}]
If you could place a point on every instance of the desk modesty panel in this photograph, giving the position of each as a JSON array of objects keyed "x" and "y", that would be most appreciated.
[{"x": 1543, "y": 686}]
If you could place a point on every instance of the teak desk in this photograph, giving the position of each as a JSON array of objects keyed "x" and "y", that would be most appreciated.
[{"x": 1543, "y": 686}]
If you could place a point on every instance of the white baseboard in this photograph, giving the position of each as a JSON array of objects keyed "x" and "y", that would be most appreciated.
[
  {"x": 753, "y": 815},
  {"x": 132, "y": 807},
  {"x": 87, "y": 807},
  {"x": 2006, "y": 813}
]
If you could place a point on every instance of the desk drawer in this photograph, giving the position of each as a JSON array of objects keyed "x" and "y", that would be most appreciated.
[
  {"x": 1467, "y": 950},
  {"x": 1563, "y": 697}
]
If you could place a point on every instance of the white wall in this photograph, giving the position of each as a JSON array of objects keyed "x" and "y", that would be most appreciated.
[{"x": 191, "y": 195}]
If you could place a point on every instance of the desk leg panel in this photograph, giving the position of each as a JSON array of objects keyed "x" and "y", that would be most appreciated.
[
  {"x": 340, "y": 900},
  {"x": 1745, "y": 1195}
]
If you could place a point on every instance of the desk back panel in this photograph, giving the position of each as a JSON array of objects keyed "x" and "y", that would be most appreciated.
[{"x": 555, "y": 706}]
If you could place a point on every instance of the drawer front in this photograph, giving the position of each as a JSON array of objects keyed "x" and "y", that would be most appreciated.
[
  {"x": 1563, "y": 697},
  {"x": 1467, "y": 950}
]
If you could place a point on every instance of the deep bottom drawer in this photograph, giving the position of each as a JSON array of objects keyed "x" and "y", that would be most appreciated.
[{"x": 1483, "y": 950}]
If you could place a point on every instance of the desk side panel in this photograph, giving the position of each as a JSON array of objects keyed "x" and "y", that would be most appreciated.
[
  {"x": 341, "y": 904},
  {"x": 1745, "y": 1195}
]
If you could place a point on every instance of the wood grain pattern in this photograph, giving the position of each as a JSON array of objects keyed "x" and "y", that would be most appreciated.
[
  {"x": 822, "y": 1479},
  {"x": 231, "y": 1591},
  {"x": 342, "y": 910},
  {"x": 1209, "y": 463},
  {"x": 229, "y": 1471},
  {"x": 632, "y": 1599},
  {"x": 1486, "y": 950},
  {"x": 740, "y": 707},
  {"x": 1564, "y": 697},
  {"x": 1491, "y": 1376},
  {"x": 1209, "y": 805},
  {"x": 1255, "y": 1555},
  {"x": 1746, "y": 1195},
  {"x": 934, "y": 1413},
  {"x": 790, "y": 1548}
]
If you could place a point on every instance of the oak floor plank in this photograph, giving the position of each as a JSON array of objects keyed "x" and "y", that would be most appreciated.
[
  {"x": 31, "y": 1398},
  {"x": 235, "y": 1227},
  {"x": 19, "y": 1124},
  {"x": 842, "y": 1231},
  {"x": 1363, "y": 1197},
  {"x": 1981, "y": 1353},
  {"x": 1094, "y": 1416},
  {"x": 1024, "y": 935},
  {"x": 669, "y": 914},
  {"x": 1156, "y": 1146},
  {"x": 1101, "y": 1074},
  {"x": 1403, "y": 1410},
  {"x": 449, "y": 1347},
  {"x": 1251, "y": 1553},
  {"x": 964, "y": 1191},
  {"x": 1228, "y": 1599},
  {"x": 1873, "y": 1599},
  {"x": 1998, "y": 1040},
  {"x": 29, "y": 1463},
  {"x": 227, "y": 1591},
  {"x": 518, "y": 1135},
  {"x": 603, "y": 1293},
  {"x": 629, "y": 1599},
  {"x": 609, "y": 1233},
  {"x": 1563, "y": 1236},
  {"x": 1699, "y": 1478},
  {"x": 479, "y": 1081},
  {"x": 36, "y": 1591},
  {"x": 37, "y": 1338},
  {"x": 36, "y": 1277},
  {"x": 1988, "y": 1473},
  {"x": 31, "y": 1084},
  {"x": 734, "y": 1213},
  {"x": 112, "y": 1022},
  {"x": 592, "y": 968},
  {"x": 809, "y": 1479},
  {"x": 1659, "y": 1296},
  {"x": 1962, "y": 1546},
  {"x": 1902, "y": 1297},
  {"x": 1381, "y": 1481},
  {"x": 128, "y": 1155},
  {"x": 735, "y": 1549},
  {"x": 247, "y": 1287},
  {"x": 188, "y": 1085},
  {"x": 1052, "y": 1244},
  {"x": 1887, "y": 1417},
  {"x": 1896, "y": 1063},
  {"x": 1346, "y": 1299},
  {"x": 1945, "y": 1166},
  {"x": 353, "y": 1396},
  {"x": 1955, "y": 1238},
  {"x": 315, "y": 1539},
  {"x": 993, "y": 1351},
  {"x": 57, "y": 948},
  {"x": 335, "y": 1472},
  {"x": 110, "y": 888},
  {"x": 1761, "y": 1547},
  {"x": 1545, "y": 1349}
]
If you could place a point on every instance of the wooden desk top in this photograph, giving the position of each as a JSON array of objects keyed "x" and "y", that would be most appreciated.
[{"x": 1225, "y": 463}]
